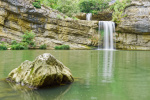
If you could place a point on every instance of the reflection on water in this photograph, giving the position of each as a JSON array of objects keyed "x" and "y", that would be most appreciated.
[
  {"x": 99, "y": 75},
  {"x": 107, "y": 66},
  {"x": 11, "y": 91}
]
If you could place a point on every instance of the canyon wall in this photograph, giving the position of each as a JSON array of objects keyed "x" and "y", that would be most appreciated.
[
  {"x": 50, "y": 26},
  {"x": 133, "y": 33},
  {"x": 54, "y": 28}
]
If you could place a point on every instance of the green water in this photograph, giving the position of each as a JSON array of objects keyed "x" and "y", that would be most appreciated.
[{"x": 99, "y": 75}]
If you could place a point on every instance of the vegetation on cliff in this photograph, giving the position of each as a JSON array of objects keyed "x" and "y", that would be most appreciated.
[
  {"x": 27, "y": 42},
  {"x": 118, "y": 8},
  {"x": 43, "y": 46},
  {"x": 37, "y": 4},
  {"x": 62, "y": 47},
  {"x": 3, "y": 46},
  {"x": 71, "y": 7},
  {"x": 93, "y": 6},
  {"x": 28, "y": 38}
]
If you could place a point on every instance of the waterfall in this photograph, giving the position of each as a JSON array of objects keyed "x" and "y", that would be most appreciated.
[
  {"x": 88, "y": 16},
  {"x": 106, "y": 30}
]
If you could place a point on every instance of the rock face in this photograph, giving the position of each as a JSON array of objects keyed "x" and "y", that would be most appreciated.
[
  {"x": 101, "y": 16},
  {"x": 50, "y": 26},
  {"x": 133, "y": 33},
  {"x": 45, "y": 70}
]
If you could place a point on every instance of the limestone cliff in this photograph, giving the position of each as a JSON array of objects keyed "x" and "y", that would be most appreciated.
[
  {"x": 50, "y": 26},
  {"x": 133, "y": 33}
]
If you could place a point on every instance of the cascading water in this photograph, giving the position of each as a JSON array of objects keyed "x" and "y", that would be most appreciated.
[
  {"x": 106, "y": 30},
  {"x": 88, "y": 16}
]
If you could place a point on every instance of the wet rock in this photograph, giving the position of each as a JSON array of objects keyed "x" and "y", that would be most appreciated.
[{"x": 44, "y": 71}]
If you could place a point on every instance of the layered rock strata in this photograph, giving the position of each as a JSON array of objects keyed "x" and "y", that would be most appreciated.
[
  {"x": 133, "y": 33},
  {"x": 50, "y": 26}
]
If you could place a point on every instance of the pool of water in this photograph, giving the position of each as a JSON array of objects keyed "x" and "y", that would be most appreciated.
[{"x": 99, "y": 75}]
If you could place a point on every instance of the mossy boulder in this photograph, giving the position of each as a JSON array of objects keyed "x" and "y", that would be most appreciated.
[{"x": 44, "y": 71}]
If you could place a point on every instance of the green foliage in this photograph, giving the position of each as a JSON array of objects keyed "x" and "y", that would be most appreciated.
[
  {"x": 28, "y": 37},
  {"x": 68, "y": 7},
  {"x": 27, "y": 42},
  {"x": 14, "y": 42},
  {"x": 34, "y": 45},
  {"x": 50, "y": 3},
  {"x": 93, "y": 6},
  {"x": 19, "y": 46},
  {"x": 118, "y": 9},
  {"x": 37, "y": 4},
  {"x": 3, "y": 46},
  {"x": 43, "y": 46},
  {"x": 71, "y": 7},
  {"x": 62, "y": 47}
]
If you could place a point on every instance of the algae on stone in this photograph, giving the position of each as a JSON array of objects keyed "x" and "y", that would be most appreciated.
[{"x": 45, "y": 70}]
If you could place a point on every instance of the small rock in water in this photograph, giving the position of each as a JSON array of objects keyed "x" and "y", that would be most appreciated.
[{"x": 44, "y": 71}]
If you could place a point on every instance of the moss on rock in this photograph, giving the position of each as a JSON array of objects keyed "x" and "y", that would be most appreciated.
[{"x": 44, "y": 71}]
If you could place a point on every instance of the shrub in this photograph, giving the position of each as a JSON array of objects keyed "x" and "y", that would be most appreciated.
[
  {"x": 20, "y": 46},
  {"x": 93, "y": 6},
  {"x": 50, "y": 3},
  {"x": 37, "y": 4},
  {"x": 118, "y": 9},
  {"x": 14, "y": 42},
  {"x": 3, "y": 46},
  {"x": 43, "y": 46},
  {"x": 68, "y": 7},
  {"x": 28, "y": 37},
  {"x": 34, "y": 45},
  {"x": 27, "y": 42},
  {"x": 62, "y": 47}
]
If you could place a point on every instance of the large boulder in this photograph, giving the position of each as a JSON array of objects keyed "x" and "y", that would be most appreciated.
[{"x": 44, "y": 71}]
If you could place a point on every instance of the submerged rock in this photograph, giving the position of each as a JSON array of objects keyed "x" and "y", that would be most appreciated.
[{"x": 44, "y": 71}]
